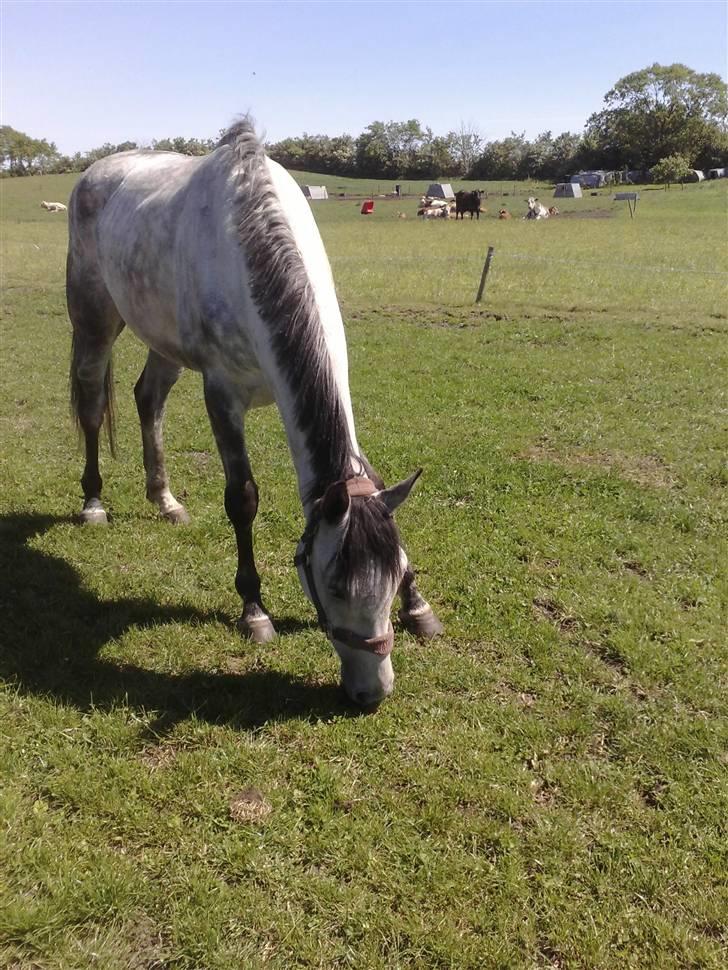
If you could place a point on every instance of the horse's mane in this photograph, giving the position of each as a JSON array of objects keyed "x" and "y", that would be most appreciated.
[
  {"x": 285, "y": 299},
  {"x": 284, "y": 296}
]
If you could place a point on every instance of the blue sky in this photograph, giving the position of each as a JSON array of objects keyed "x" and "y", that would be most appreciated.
[{"x": 85, "y": 73}]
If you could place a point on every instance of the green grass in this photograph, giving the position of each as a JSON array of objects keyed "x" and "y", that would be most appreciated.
[{"x": 547, "y": 786}]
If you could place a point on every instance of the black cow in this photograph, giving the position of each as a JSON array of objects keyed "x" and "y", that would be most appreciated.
[{"x": 468, "y": 202}]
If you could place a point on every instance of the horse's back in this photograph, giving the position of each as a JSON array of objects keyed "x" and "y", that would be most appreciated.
[{"x": 135, "y": 230}]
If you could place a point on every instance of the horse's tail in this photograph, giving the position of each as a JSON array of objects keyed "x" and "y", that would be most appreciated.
[{"x": 108, "y": 393}]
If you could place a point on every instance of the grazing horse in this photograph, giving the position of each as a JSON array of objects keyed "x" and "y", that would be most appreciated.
[
  {"x": 468, "y": 202},
  {"x": 216, "y": 264}
]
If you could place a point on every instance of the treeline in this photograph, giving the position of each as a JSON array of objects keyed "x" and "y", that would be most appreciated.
[
  {"x": 407, "y": 150},
  {"x": 20, "y": 154},
  {"x": 651, "y": 115}
]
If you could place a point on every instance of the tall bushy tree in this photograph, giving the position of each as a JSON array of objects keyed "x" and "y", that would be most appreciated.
[
  {"x": 501, "y": 159},
  {"x": 22, "y": 155},
  {"x": 373, "y": 153},
  {"x": 659, "y": 111},
  {"x": 465, "y": 147}
]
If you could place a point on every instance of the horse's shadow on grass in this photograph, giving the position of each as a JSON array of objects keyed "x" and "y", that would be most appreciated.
[{"x": 52, "y": 629}]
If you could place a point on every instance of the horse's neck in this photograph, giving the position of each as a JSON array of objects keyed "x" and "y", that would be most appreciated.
[
  {"x": 319, "y": 427},
  {"x": 292, "y": 285}
]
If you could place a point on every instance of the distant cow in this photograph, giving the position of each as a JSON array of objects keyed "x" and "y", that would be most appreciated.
[
  {"x": 434, "y": 212},
  {"x": 53, "y": 206},
  {"x": 536, "y": 210},
  {"x": 554, "y": 210},
  {"x": 504, "y": 214},
  {"x": 468, "y": 202}
]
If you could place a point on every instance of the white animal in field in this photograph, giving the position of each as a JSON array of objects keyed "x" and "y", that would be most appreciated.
[
  {"x": 53, "y": 206},
  {"x": 536, "y": 210},
  {"x": 435, "y": 212},
  {"x": 435, "y": 208}
]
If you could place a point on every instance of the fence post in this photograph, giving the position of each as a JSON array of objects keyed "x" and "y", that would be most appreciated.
[{"x": 483, "y": 278}]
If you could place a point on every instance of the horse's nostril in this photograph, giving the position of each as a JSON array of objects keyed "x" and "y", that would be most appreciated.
[{"x": 368, "y": 702}]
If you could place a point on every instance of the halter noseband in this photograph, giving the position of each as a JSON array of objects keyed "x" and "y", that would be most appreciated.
[{"x": 359, "y": 487}]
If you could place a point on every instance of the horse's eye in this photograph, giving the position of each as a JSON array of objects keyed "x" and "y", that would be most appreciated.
[{"x": 338, "y": 591}]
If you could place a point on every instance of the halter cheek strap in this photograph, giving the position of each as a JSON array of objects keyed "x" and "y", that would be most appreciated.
[{"x": 380, "y": 646}]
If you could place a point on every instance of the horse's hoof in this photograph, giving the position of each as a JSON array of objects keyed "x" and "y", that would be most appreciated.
[
  {"x": 259, "y": 629},
  {"x": 423, "y": 624},
  {"x": 177, "y": 516},
  {"x": 93, "y": 515}
]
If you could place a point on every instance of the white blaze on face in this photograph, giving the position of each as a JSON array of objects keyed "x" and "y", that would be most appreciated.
[{"x": 366, "y": 678}]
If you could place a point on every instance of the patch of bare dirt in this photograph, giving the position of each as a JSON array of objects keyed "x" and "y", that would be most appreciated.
[
  {"x": 653, "y": 794},
  {"x": 523, "y": 698},
  {"x": 646, "y": 470},
  {"x": 159, "y": 756},
  {"x": 249, "y": 806},
  {"x": 548, "y": 609},
  {"x": 199, "y": 458},
  {"x": 588, "y": 214},
  {"x": 636, "y": 567},
  {"x": 544, "y": 792},
  {"x": 607, "y": 654}
]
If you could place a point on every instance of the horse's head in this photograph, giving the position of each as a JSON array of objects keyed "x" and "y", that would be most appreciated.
[{"x": 350, "y": 563}]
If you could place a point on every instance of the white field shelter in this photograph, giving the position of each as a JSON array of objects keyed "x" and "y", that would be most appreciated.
[
  {"x": 568, "y": 190},
  {"x": 315, "y": 191},
  {"x": 440, "y": 190}
]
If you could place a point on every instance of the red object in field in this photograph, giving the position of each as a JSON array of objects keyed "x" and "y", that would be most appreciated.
[{"x": 367, "y": 207}]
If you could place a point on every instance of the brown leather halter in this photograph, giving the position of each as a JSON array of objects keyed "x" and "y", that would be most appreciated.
[{"x": 359, "y": 487}]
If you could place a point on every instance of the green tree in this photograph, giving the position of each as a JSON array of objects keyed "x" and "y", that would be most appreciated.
[
  {"x": 465, "y": 146},
  {"x": 502, "y": 159},
  {"x": 22, "y": 155},
  {"x": 373, "y": 151},
  {"x": 672, "y": 168},
  {"x": 656, "y": 112},
  {"x": 184, "y": 146}
]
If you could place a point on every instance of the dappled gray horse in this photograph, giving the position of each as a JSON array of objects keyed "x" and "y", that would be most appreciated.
[{"x": 216, "y": 263}]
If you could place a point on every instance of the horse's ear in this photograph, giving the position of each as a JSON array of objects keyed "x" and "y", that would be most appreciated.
[
  {"x": 335, "y": 503},
  {"x": 396, "y": 494}
]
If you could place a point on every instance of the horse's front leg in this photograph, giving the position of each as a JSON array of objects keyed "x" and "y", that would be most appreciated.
[
  {"x": 416, "y": 615},
  {"x": 241, "y": 504}
]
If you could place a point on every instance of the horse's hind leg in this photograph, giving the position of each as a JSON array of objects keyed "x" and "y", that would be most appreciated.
[
  {"x": 241, "y": 504},
  {"x": 416, "y": 615},
  {"x": 96, "y": 325},
  {"x": 157, "y": 380}
]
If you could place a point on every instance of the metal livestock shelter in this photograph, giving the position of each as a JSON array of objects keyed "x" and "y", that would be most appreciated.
[
  {"x": 568, "y": 190},
  {"x": 440, "y": 190},
  {"x": 315, "y": 191}
]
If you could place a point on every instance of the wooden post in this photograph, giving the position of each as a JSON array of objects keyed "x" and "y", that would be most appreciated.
[{"x": 483, "y": 278}]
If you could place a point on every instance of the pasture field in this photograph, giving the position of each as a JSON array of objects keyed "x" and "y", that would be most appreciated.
[{"x": 547, "y": 787}]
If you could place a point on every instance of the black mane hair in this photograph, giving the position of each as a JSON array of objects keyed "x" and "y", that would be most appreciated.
[
  {"x": 371, "y": 538},
  {"x": 284, "y": 297}
]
